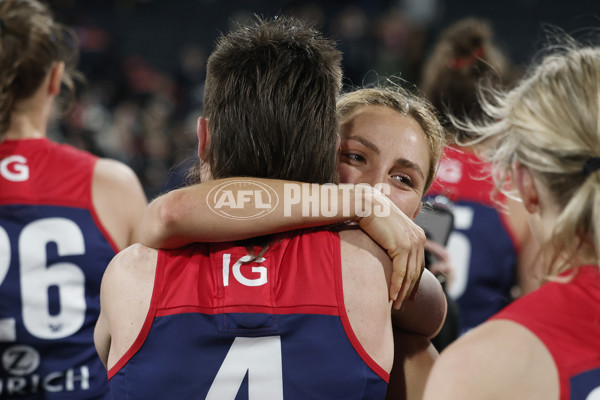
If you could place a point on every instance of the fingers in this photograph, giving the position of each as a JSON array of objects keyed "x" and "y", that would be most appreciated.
[
  {"x": 413, "y": 264},
  {"x": 414, "y": 273},
  {"x": 421, "y": 262},
  {"x": 437, "y": 250},
  {"x": 440, "y": 268},
  {"x": 398, "y": 278}
]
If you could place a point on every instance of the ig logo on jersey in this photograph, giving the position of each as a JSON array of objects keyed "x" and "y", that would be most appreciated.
[
  {"x": 14, "y": 168},
  {"x": 237, "y": 273}
]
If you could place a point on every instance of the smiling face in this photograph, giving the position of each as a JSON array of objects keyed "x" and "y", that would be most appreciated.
[{"x": 380, "y": 145}]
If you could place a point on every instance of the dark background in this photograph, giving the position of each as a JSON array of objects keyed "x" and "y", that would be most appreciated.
[{"x": 144, "y": 59}]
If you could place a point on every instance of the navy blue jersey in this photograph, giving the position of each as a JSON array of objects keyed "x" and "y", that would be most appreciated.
[
  {"x": 53, "y": 253},
  {"x": 272, "y": 329}
]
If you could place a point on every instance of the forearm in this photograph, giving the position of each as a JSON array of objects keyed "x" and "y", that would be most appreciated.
[{"x": 222, "y": 210}]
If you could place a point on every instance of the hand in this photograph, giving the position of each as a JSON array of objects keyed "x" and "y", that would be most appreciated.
[
  {"x": 404, "y": 242},
  {"x": 442, "y": 264}
]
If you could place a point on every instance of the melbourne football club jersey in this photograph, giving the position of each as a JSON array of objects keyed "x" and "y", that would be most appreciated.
[
  {"x": 273, "y": 328},
  {"x": 53, "y": 252},
  {"x": 482, "y": 247},
  {"x": 566, "y": 318}
]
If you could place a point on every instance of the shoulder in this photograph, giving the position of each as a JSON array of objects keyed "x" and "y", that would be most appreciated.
[
  {"x": 135, "y": 264},
  {"x": 360, "y": 252},
  {"x": 356, "y": 240},
  {"x": 114, "y": 171},
  {"x": 119, "y": 199},
  {"x": 497, "y": 360},
  {"x": 62, "y": 156}
]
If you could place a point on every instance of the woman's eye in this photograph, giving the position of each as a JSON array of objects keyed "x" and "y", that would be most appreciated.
[
  {"x": 354, "y": 157},
  {"x": 403, "y": 179}
]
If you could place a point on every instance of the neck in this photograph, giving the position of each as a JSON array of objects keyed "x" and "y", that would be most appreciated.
[
  {"x": 29, "y": 120},
  {"x": 25, "y": 128}
]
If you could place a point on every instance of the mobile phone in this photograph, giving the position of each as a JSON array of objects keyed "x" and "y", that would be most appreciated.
[{"x": 437, "y": 221}]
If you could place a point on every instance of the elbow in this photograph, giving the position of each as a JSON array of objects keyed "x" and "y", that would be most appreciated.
[
  {"x": 425, "y": 315},
  {"x": 158, "y": 221},
  {"x": 440, "y": 313},
  {"x": 167, "y": 216},
  {"x": 438, "y": 306}
]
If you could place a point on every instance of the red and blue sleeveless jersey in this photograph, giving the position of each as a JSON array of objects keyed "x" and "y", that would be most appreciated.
[
  {"x": 566, "y": 318},
  {"x": 275, "y": 328},
  {"x": 53, "y": 253},
  {"x": 482, "y": 247}
]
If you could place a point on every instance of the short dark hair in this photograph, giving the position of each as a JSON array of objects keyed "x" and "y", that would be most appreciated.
[{"x": 270, "y": 100}]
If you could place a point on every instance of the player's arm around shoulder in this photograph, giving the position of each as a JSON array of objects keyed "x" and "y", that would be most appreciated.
[
  {"x": 498, "y": 360},
  {"x": 366, "y": 273},
  {"x": 119, "y": 200},
  {"x": 125, "y": 297}
]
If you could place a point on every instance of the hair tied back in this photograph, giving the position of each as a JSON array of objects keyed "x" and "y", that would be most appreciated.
[
  {"x": 466, "y": 62},
  {"x": 591, "y": 165}
]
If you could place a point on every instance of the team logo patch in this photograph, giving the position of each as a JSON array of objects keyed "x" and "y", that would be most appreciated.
[{"x": 450, "y": 171}]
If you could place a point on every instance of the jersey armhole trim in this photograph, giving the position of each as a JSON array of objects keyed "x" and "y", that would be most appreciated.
[
  {"x": 143, "y": 334},
  {"x": 339, "y": 286}
]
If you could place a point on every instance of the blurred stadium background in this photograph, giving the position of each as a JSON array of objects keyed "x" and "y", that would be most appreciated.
[{"x": 144, "y": 60}]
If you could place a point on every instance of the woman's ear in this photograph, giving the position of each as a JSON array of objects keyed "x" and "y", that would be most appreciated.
[
  {"x": 523, "y": 180},
  {"x": 203, "y": 138}
]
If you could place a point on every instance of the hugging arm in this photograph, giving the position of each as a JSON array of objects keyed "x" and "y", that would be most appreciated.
[{"x": 184, "y": 215}]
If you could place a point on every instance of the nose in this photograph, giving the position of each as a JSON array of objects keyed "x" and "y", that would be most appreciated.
[{"x": 375, "y": 176}]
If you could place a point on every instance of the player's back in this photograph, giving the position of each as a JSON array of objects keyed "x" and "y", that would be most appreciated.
[
  {"x": 53, "y": 252},
  {"x": 283, "y": 326}
]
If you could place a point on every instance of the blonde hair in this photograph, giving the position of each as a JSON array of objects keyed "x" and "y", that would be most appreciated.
[
  {"x": 396, "y": 98},
  {"x": 550, "y": 123}
]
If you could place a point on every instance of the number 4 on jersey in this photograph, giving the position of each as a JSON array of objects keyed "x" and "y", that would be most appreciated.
[{"x": 260, "y": 358}]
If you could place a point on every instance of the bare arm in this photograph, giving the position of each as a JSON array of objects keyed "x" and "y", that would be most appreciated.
[
  {"x": 185, "y": 215},
  {"x": 497, "y": 360},
  {"x": 192, "y": 214},
  {"x": 425, "y": 313},
  {"x": 125, "y": 296},
  {"x": 102, "y": 338},
  {"x": 119, "y": 200}
]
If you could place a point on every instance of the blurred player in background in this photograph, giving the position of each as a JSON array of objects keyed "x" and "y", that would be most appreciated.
[
  {"x": 63, "y": 215},
  {"x": 491, "y": 239},
  {"x": 542, "y": 137}
]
